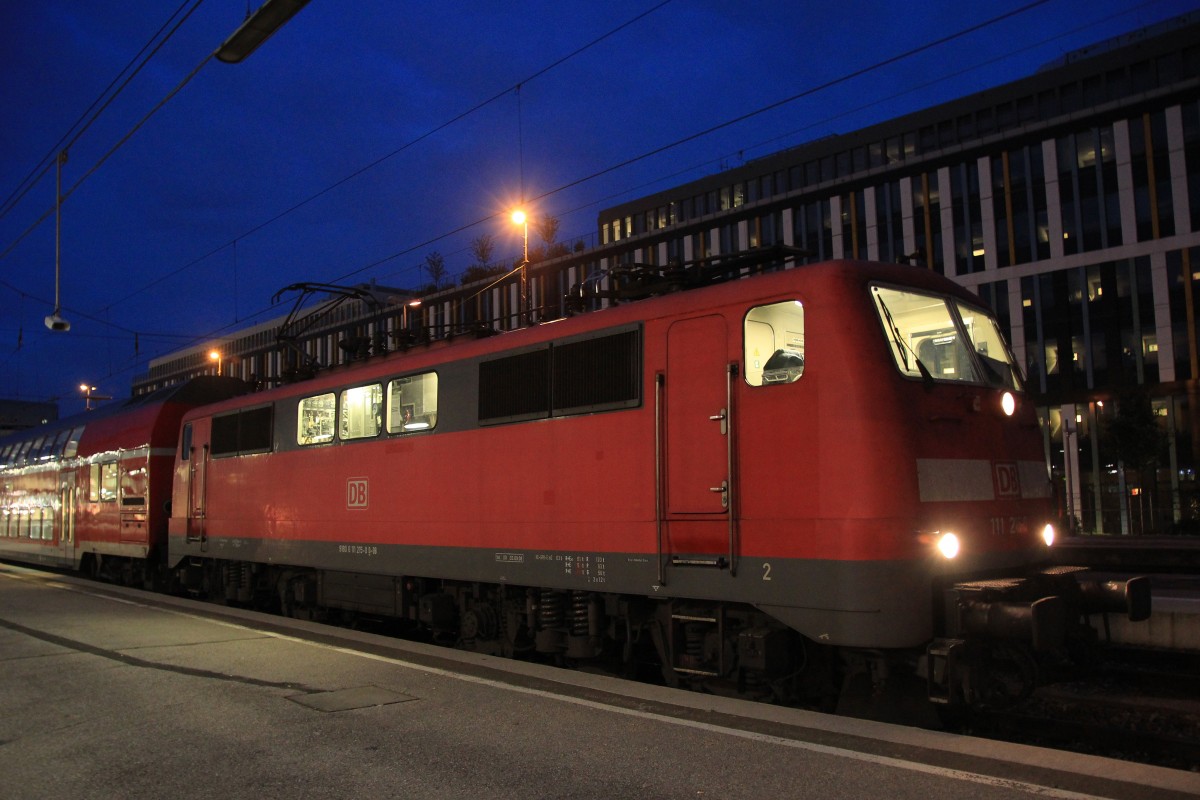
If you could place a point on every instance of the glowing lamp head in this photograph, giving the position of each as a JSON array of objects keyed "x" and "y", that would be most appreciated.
[
  {"x": 1048, "y": 535},
  {"x": 1008, "y": 403},
  {"x": 947, "y": 545},
  {"x": 518, "y": 217}
]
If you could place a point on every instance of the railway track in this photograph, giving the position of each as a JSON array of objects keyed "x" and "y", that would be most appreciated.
[{"x": 1140, "y": 705}]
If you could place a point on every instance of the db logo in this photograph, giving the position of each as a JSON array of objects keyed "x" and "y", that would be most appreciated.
[
  {"x": 1008, "y": 479},
  {"x": 356, "y": 493}
]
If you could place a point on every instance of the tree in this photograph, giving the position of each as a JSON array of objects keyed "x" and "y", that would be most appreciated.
[
  {"x": 482, "y": 248},
  {"x": 547, "y": 229},
  {"x": 1136, "y": 440},
  {"x": 435, "y": 265}
]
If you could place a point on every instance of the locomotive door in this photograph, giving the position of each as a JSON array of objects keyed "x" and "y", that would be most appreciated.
[{"x": 698, "y": 444}]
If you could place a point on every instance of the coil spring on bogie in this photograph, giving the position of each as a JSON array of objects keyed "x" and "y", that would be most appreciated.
[
  {"x": 580, "y": 601},
  {"x": 551, "y": 609}
]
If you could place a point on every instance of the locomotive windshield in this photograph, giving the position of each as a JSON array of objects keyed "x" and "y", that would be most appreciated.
[{"x": 939, "y": 338}]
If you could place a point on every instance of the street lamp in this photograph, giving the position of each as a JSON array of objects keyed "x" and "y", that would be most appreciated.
[
  {"x": 89, "y": 394},
  {"x": 519, "y": 218},
  {"x": 215, "y": 355},
  {"x": 414, "y": 304},
  {"x": 257, "y": 28}
]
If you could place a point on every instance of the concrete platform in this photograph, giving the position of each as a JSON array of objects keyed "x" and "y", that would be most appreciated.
[{"x": 107, "y": 692}]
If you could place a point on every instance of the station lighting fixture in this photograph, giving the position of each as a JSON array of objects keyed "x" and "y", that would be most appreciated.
[
  {"x": 258, "y": 27},
  {"x": 90, "y": 396},
  {"x": 55, "y": 321},
  {"x": 215, "y": 355},
  {"x": 414, "y": 304}
]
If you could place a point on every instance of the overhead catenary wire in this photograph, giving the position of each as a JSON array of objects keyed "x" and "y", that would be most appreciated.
[
  {"x": 607, "y": 170},
  {"x": 612, "y": 168},
  {"x": 104, "y": 100}
]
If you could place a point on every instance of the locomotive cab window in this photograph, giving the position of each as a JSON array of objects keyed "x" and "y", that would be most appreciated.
[
  {"x": 315, "y": 418},
  {"x": 937, "y": 338},
  {"x": 412, "y": 403},
  {"x": 362, "y": 408},
  {"x": 774, "y": 343}
]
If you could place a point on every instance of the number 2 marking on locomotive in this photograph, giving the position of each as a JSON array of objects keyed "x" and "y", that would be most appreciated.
[{"x": 766, "y": 570}]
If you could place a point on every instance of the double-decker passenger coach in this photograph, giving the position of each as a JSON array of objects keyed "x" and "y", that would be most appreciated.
[{"x": 92, "y": 491}]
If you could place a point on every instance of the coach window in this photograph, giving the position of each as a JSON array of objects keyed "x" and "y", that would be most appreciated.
[
  {"x": 412, "y": 403},
  {"x": 108, "y": 481},
  {"x": 60, "y": 443},
  {"x": 774, "y": 343},
  {"x": 361, "y": 411},
  {"x": 72, "y": 446},
  {"x": 314, "y": 419}
]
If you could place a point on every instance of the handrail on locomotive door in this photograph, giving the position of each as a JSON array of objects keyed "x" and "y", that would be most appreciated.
[
  {"x": 658, "y": 474},
  {"x": 730, "y": 493}
]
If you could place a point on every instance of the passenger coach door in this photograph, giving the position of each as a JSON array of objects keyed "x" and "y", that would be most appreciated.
[
  {"x": 67, "y": 503},
  {"x": 197, "y": 507},
  {"x": 698, "y": 444}
]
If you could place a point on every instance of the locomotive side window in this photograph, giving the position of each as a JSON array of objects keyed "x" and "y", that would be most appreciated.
[
  {"x": 361, "y": 412},
  {"x": 314, "y": 420},
  {"x": 224, "y": 434},
  {"x": 412, "y": 403},
  {"x": 596, "y": 374},
  {"x": 242, "y": 432},
  {"x": 774, "y": 343},
  {"x": 515, "y": 388}
]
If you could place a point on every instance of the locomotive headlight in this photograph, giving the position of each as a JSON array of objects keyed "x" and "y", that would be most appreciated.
[
  {"x": 1008, "y": 403},
  {"x": 947, "y": 545},
  {"x": 1048, "y": 534}
]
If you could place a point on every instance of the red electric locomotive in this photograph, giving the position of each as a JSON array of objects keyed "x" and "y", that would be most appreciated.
[
  {"x": 91, "y": 491},
  {"x": 740, "y": 478}
]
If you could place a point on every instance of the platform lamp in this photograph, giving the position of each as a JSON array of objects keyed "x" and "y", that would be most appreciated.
[
  {"x": 519, "y": 218},
  {"x": 55, "y": 321},
  {"x": 215, "y": 355},
  {"x": 90, "y": 396}
]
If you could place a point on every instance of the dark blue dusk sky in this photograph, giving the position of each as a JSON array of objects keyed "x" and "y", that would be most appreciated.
[{"x": 181, "y": 235}]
